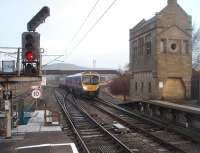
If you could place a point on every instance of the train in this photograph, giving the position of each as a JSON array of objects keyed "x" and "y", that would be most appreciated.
[{"x": 85, "y": 84}]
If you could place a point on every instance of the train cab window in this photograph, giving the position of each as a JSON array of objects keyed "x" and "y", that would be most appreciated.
[
  {"x": 94, "y": 80},
  {"x": 90, "y": 80},
  {"x": 86, "y": 79}
]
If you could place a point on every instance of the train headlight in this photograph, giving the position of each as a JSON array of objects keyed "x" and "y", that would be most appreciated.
[{"x": 84, "y": 87}]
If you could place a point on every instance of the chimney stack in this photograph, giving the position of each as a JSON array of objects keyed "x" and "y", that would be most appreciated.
[{"x": 172, "y": 2}]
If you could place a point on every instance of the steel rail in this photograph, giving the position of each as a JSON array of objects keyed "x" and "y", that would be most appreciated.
[
  {"x": 82, "y": 110},
  {"x": 106, "y": 131},
  {"x": 178, "y": 129},
  {"x": 71, "y": 123},
  {"x": 130, "y": 125}
]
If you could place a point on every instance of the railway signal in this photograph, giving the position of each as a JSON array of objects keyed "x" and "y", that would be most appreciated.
[
  {"x": 31, "y": 53},
  {"x": 38, "y": 18}
]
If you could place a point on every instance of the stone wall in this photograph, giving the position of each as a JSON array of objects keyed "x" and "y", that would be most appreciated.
[{"x": 143, "y": 86}]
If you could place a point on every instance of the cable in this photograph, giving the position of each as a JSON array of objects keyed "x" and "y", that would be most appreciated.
[
  {"x": 80, "y": 28},
  {"x": 52, "y": 61},
  {"x": 92, "y": 27}
]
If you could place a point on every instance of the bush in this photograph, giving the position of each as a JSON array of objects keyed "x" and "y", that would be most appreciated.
[{"x": 120, "y": 85}]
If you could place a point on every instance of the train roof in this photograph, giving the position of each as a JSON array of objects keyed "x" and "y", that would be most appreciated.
[{"x": 81, "y": 74}]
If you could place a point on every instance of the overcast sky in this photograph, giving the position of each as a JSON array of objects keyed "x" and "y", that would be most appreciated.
[{"x": 107, "y": 43}]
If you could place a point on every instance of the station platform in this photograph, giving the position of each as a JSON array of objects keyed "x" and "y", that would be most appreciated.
[
  {"x": 35, "y": 137},
  {"x": 189, "y": 107},
  {"x": 186, "y": 106},
  {"x": 46, "y": 142}
]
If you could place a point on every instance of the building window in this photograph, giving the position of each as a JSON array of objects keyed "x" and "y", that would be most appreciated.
[
  {"x": 148, "y": 44},
  {"x": 185, "y": 47},
  {"x": 141, "y": 46},
  {"x": 148, "y": 48},
  {"x": 149, "y": 87},
  {"x": 142, "y": 86},
  {"x": 135, "y": 48},
  {"x": 174, "y": 45},
  {"x": 136, "y": 86},
  {"x": 163, "y": 45}
]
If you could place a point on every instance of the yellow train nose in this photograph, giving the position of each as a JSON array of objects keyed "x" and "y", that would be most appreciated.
[{"x": 90, "y": 87}]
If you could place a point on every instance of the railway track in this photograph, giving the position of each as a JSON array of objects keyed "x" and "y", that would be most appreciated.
[
  {"x": 153, "y": 129},
  {"x": 90, "y": 135}
]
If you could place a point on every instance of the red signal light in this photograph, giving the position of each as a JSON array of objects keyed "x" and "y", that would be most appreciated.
[{"x": 30, "y": 56}]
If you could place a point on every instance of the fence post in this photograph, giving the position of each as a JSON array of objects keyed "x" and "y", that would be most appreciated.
[{"x": 18, "y": 62}]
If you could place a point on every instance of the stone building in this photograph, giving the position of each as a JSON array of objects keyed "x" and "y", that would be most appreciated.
[{"x": 161, "y": 55}]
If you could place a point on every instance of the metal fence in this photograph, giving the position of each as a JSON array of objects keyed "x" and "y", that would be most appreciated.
[
  {"x": 195, "y": 85},
  {"x": 10, "y": 61}
]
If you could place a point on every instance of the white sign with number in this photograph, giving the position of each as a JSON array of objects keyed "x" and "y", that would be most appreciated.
[{"x": 36, "y": 93}]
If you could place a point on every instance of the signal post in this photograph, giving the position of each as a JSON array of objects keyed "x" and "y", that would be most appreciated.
[{"x": 28, "y": 68}]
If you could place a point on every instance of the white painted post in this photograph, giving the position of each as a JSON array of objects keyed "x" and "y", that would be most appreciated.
[
  {"x": 18, "y": 62},
  {"x": 8, "y": 116}
]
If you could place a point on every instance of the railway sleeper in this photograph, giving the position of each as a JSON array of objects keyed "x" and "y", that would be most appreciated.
[
  {"x": 107, "y": 149},
  {"x": 91, "y": 133}
]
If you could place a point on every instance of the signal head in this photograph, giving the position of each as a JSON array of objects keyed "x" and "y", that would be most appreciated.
[
  {"x": 29, "y": 42},
  {"x": 31, "y": 53},
  {"x": 29, "y": 38},
  {"x": 30, "y": 56},
  {"x": 30, "y": 46}
]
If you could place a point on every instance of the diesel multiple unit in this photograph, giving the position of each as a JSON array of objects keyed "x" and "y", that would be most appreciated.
[{"x": 82, "y": 84}]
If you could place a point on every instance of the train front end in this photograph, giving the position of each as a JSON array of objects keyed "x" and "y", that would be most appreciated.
[{"x": 90, "y": 84}]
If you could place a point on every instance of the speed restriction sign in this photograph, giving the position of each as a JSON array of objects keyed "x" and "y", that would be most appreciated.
[{"x": 36, "y": 93}]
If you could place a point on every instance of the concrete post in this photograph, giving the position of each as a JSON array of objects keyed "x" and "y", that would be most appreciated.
[
  {"x": 8, "y": 117},
  {"x": 7, "y": 98}
]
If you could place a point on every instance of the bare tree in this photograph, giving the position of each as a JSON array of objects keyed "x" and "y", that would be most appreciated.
[
  {"x": 196, "y": 47},
  {"x": 121, "y": 85}
]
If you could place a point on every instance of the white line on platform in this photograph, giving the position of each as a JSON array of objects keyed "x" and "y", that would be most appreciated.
[{"x": 73, "y": 146}]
